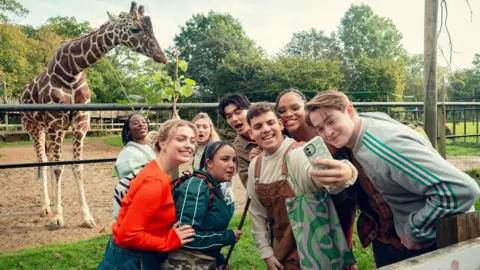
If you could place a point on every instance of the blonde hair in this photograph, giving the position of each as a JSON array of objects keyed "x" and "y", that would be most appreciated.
[
  {"x": 213, "y": 133},
  {"x": 329, "y": 99},
  {"x": 168, "y": 129}
]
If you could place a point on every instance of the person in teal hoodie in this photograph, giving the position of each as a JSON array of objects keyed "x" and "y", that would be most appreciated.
[{"x": 210, "y": 220}]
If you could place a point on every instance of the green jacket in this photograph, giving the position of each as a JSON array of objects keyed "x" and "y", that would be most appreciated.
[{"x": 210, "y": 223}]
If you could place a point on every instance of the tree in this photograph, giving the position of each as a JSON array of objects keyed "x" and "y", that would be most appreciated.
[
  {"x": 476, "y": 62},
  {"x": 464, "y": 85},
  {"x": 414, "y": 86},
  {"x": 365, "y": 34},
  {"x": 13, "y": 61},
  {"x": 378, "y": 80},
  {"x": 207, "y": 40},
  {"x": 11, "y": 6},
  {"x": 21, "y": 57},
  {"x": 313, "y": 44},
  {"x": 68, "y": 27},
  {"x": 114, "y": 77},
  {"x": 262, "y": 78}
]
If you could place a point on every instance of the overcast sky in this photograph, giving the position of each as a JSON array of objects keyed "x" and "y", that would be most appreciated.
[{"x": 270, "y": 23}]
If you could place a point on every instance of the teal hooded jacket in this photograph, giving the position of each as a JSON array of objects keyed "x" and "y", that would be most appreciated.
[{"x": 210, "y": 222}]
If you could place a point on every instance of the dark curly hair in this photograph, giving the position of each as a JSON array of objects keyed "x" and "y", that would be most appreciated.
[{"x": 125, "y": 129}]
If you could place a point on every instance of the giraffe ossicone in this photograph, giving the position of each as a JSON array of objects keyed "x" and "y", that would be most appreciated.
[{"x": 64, "y": 81}]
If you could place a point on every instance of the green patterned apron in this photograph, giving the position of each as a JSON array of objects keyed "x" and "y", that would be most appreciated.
[{"x": 317, "y": 231}]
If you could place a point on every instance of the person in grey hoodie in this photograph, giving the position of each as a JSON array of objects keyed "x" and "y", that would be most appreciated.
[{"x": 416, "y": 182}]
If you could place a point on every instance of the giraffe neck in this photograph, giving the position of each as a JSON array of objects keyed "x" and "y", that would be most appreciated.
[{"x": 74, "y": 56}]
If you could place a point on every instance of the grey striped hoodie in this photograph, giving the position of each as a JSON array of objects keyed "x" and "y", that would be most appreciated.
[{"x": 417, "y": 183}]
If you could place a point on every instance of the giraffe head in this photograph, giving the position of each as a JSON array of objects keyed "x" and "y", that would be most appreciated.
[{"x": 136, "y": 32}]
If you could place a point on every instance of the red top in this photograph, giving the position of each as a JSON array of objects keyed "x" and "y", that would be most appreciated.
[{"x": 147, "y": 213}]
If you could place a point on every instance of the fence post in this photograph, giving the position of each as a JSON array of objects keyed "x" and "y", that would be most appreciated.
[
  {"x": 101, "y": 121},
  {"x": 454, "y": 125},
  {"x": 5, "y": 101},
  {"x": 465, "y": 124},
  {"x": 458, "y": 228},
  {"x": 476, "y": 118},
  {"x": 441, "y": 122}
]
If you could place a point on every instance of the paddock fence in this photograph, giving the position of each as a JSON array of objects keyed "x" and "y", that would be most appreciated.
[{"x": 461, "y": 121}]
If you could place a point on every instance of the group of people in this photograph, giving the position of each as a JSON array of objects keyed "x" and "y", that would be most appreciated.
[{"x": 302, "y": 212}]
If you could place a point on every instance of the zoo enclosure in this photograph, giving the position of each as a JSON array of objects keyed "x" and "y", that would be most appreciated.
[{"x": 460, "y": 113}]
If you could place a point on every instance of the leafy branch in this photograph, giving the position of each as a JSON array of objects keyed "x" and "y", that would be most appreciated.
[{"x": 161, "y": 87}]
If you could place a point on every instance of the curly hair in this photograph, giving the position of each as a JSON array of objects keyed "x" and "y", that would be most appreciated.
[
  {"x": 290, "y": 90},
  {"x": 126, "y": 129}
]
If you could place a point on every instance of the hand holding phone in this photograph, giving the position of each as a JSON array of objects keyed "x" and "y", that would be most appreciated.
[{"x": 316, "y": 149}]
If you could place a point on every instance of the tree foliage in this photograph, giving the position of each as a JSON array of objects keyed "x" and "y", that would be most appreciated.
[
  {"x": 264, "y": 78},
  {"x": 365, "y": 34},
  {"x": 11, "y": 6},
  {"x": 364, "y": 57},
  {"x": 21, "y": 57},
  {"x": 378, "y": 80},
  {"x": 313, "y": 44},
  {"x": 207, "y": 40},
  {"x": 68, "y": 27}
]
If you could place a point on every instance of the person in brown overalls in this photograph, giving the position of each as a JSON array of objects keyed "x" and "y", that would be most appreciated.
[{"x": 269, "y": 186}]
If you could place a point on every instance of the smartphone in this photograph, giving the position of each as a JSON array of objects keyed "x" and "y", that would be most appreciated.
[{"x": 316, "y": 149}]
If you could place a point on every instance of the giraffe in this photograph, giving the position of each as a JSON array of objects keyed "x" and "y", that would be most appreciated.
[{"x": 63, "y": 81}]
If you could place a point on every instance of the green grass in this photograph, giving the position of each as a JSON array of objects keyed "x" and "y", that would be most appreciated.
[
  {"x": 459, "y": 128},
  {"x": 455, "y": 150},
  {"x": 80, "y": 255},
  {"x": 114, "y": 141},
  {"x": 110, "y": 140},
  {"x": 2, "y": 155},
  {"x": 87, "y": 254},
  {"x": 6, "y": 144}
]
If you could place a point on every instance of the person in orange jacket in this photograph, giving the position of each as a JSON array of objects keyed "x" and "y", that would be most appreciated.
[{"x": 146, "y": 229}]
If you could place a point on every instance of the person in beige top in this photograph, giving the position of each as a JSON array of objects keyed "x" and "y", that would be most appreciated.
[
  {"x": 233, "y": 108},
  {"x": 268, "y": 191}
]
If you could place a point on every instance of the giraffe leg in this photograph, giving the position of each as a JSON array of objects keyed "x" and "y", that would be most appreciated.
[
  {"x": 49, "y": 149},
  {"x": 56, "y": 136},
  {"x": 38, "y": 135},
  {"x": 80, "y": 128}
]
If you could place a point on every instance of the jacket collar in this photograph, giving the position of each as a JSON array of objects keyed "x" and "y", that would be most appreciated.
[{"x": 211, "y": 180}]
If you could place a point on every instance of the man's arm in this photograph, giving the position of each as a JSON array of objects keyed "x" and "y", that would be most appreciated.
[
  {"x": 301, "y": 168},
  {"x": 258, "y": 217},
  {"x": 420, "y": 170}
]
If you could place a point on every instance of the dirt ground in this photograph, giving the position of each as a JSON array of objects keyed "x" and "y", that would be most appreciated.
[{"x": 21, "y": 225}]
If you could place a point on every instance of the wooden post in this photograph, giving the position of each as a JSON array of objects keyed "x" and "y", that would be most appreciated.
[
  {"x": 441, "y": 124},
  {"x": 441, "y": 140},
  {"x": 101, "y": 121},
  {"x": 5, "y": 101},
  {"x": 430, "y": 70},
  {"x": 458, "y": 228}
]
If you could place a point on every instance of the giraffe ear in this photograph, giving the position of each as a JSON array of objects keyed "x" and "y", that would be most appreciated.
[{"x": 112, "y": 17}]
